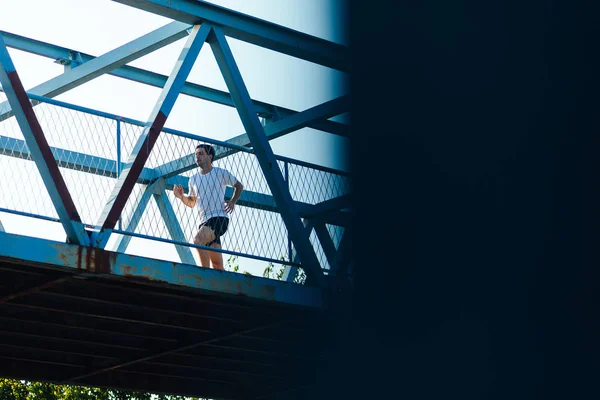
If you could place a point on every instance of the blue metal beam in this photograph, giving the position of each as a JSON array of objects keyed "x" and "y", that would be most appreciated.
[
  {"x": 147, "y": 139},
  {"x": 224, "y": 98},
  {"x": 171, "y": 222},
  {"x": 343, "y": 261},
  {"x": 128, "y": 268},
  {"x": 178, "y": 166},
  {"x": 264, "y": 155},
  {"x": 290, "y": 271},
  {"x": 326, "y": 242},
  {"x": 327, "y": 206},
  {"x": 298, "y": 121},
  {"x": 102, "y": 166},
  {"x": 72, "y": 160},
  {"x": 35, "y": 46},
  {"x": 272, "y": 131},
  {"x": 250, "y": 29},
  {"x": 187, "y": 163},
  {"x": 138, "y": 212},
  {"x": 40, "y": 150},
  {"x": 109, "y": 61},
  {"x": 64, "y": 56},
  {"x": 266, "y": 202}
]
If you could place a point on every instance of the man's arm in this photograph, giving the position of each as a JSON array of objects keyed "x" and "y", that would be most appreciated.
[
  {"x": 237, "y": 192},
  {"x": 189, "y": 201}
]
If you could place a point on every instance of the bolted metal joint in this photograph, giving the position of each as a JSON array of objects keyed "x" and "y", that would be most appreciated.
[{"x": 73, "y": 61}]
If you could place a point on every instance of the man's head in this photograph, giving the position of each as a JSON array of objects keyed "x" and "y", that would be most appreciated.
[{"x": 205, "y": 154}]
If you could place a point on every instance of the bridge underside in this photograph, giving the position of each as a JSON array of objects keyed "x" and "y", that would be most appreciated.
[{"x": 86, "y": 325}]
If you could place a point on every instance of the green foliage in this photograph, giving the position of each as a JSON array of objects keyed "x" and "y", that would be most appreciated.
[
  {"x": 84, "y": 393},
  {"x": 268, "y": 271},
  {"x": 42, "y": 390},
  {"x": 273, "y": 272},
  {"x": 12, "y": 389},
  {"x": 127, "y": 395},
  {"x": 300, "y": 276},
  {"x": 231, "y": 264}
]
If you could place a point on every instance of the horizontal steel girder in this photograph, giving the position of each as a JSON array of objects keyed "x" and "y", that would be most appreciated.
[
  {"x": 250, "y": 29},
  {"x": 71, "y": 160},
  {"x": 157, "y": 80},
  {"x": 102, "y": 166},
  {"x": 272, "y": 131},
  {"x": 89, "y": 260},
  {"x": 113, "y": 59}
]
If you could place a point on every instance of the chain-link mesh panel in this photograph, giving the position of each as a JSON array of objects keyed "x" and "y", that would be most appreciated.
[
  {"x": 310, "y": 185},
  {"x": 152, "y": 222},
  {"x": 336, "y": 233},
  {"x": 21, "y": 186},
  {"x": 86, "y": 148},
  {"x": 248, "y": 171},
  {"x": 90, "y": 192},
  {"x": 129, "y": 136},
  {"x": 254, "y": 228},
  {"x": 132, "y": 206}
]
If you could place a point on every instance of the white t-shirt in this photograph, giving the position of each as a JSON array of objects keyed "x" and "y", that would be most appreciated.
[{"x": 209, "y": 190}]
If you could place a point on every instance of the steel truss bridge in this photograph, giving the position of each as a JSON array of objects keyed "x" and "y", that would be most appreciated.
[{"x": 82, "y": 312}]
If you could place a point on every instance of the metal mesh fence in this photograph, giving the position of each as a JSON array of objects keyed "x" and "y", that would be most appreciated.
[
  {"x": 253, "y": 228},
  {"x": 91, "y": 149},
  {"x": 21, "y": 186},
  {"x": 84, "y": 146},
  {"x": 313, "y": 186}
]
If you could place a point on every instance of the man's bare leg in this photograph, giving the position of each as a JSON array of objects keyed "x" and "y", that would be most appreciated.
[
  {"x": 216, "y": 258},
  {"x": 204, "y": 235},
  {"x": 204, "y": 258}
]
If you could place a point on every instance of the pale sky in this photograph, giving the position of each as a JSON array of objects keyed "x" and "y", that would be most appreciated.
[{"x": 98, "y": 26}]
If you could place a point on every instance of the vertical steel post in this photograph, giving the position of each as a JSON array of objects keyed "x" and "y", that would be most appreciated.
[
  {"x": 287, "y": 181},
  {"x": 119, "y": 167}
]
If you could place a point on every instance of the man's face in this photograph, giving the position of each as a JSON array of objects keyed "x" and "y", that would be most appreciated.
[{"x": 202, "y": 158}]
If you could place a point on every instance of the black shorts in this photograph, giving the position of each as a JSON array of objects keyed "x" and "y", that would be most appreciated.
[{"x": 219, "y": 226}]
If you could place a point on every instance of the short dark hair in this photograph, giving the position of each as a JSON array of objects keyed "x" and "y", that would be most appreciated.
[{"x": 208, "y": 149}]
